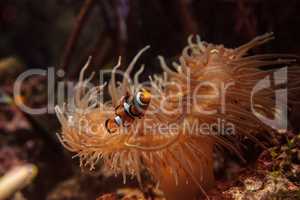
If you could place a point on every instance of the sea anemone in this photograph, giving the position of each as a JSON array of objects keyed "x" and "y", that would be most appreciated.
[{"x": 209, "y": 83}]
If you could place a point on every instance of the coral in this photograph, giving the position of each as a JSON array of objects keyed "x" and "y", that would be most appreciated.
[
  {"x": 270, "y": 187},
  {"x": 183, "y": 157}
]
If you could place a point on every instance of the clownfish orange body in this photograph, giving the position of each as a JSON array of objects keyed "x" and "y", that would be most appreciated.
[{"x": 128, "y": 110}]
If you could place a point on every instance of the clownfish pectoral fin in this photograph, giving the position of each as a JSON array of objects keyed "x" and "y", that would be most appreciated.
[{"x": 117, "y": 108}]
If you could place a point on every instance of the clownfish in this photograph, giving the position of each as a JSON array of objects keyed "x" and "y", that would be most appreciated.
[{"x": 128, "y": 110}]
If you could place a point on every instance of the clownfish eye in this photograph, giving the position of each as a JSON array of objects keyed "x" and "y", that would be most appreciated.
[{"x": 143, "y": 97}]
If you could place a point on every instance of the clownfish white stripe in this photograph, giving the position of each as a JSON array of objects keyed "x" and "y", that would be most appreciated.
[{"x": 118, "y": 120}]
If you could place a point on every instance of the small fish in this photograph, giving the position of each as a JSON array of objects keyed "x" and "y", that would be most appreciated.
[{"x": 128, "y": 110}]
